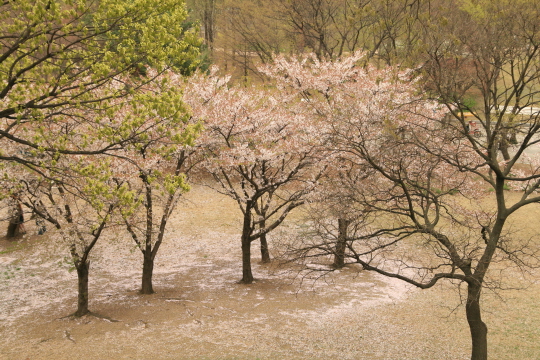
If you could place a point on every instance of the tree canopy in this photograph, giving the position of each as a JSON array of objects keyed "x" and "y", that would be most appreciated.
[{"x": 63, "y": 64}]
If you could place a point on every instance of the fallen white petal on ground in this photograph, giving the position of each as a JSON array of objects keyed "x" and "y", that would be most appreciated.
[{"x": 199, "y": 310}]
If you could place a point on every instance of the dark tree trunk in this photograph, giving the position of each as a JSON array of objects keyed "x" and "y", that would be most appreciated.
[
  {"x": 504, "y": 149},
  {"x": 476, "y": 325},
  {"x": 15, "y": 226},
  {"x": 208, "y": 23},
  {"x": 12, "y": 230},
  {"x": 503, "y": 145},
  {"x": 148, "y": 270},
  {"x": 265, "y": 254},
  {"x": 341, "y": 244},
  {"x": 247, "y": 276},
  {"x": 513, "y": 137},
  {"x": 82, "y": 275}
]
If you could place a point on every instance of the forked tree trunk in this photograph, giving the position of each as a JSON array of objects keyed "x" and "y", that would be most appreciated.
[
  {"x": 148, "y": 270},
  {"x": 82, "y": 275},
  {"x": 341, "y": 244},
  {"x": 477, "y": 327}
]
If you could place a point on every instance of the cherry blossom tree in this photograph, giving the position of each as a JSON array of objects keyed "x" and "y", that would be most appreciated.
[
  {"x": 259, "y": 152},
  {"x": 424, "y": 179},
  {"x": 334, "y": 216},
  {"x": 155, "y": 168},
  {"x": 68, "y": 73},
  {"x": 157, "y": 190},
  {"x": 79, "y": 204},
  {"x": 79, "y": 194}
]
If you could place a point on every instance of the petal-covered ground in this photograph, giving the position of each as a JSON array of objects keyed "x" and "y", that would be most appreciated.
[{"x": 199, "y": 310}]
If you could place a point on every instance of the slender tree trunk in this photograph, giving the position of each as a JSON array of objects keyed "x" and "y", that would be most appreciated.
[
  {"x": 82, "y": 275},
  {"x": 341, "y": 244},
  {"x": 247, "y": 276},
  {"x": 476, "y": 325},
  {"x": 148, "y": 258},
  {"x": 148, "y": 270},
  {"x": 265, "y": 254},
  {"x": 208, "y": 23},
  {"x": 503, "y": 145}
]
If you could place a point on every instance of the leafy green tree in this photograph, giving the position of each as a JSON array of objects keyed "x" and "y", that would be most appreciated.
[
  {"x": 60, "y": 63},
  {"x": 78, "y": 204},
  {"x": 69, "y": 70}
]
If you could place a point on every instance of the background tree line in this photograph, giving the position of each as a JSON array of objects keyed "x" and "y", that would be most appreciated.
[{"x": 241, "y": 34}]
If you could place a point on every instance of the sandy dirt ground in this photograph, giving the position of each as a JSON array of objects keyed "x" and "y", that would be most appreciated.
[{"x": 199, "y": 310}]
